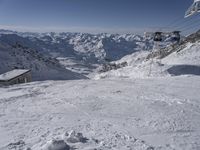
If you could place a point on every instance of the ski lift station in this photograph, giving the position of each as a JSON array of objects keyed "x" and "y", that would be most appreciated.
[{"x": 15, "y": 76}]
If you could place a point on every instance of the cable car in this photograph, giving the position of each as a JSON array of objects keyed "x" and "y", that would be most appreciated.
[
  {"x": 176, "y": 37},
  {"x": 195, "y": 8},
  {"x": 157, "y": 36}
]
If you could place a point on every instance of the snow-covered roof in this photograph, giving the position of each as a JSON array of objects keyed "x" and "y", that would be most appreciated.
[{"x": 12, "y": 74}]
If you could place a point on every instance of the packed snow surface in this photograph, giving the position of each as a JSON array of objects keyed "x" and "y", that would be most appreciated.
[{"x": 117, "y": 114}]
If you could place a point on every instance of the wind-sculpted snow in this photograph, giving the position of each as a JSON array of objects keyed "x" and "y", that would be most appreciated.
[{"x": 139, "y": 114}]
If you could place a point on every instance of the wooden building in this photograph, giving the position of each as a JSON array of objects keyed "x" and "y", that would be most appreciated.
[{"x": 16, "y": 76}]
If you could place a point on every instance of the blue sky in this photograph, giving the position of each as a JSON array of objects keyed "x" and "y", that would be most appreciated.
[{"x": 122, "y": 16}]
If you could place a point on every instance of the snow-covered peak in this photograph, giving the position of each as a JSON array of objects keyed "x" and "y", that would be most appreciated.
[{"x": 83, "y": 48}]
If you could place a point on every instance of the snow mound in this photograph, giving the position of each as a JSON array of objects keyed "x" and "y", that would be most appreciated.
[
  {"x": 70, "y": 140},
  {"x": 73, "y": 140},
  {"x": 20, "y": 145},
  {"x": 56, "y": 145},
  {"x": 73, "y": 137}
]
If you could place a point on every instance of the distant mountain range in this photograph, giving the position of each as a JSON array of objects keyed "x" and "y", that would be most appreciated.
[
  {"x": 79, "y": 45},
  {"x": 78, "y": 52}
]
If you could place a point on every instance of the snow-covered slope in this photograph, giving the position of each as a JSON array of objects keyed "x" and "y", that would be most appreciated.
[
  {"x": 42, "y": 68},
  {"x": 189, "y": 55},
  {"x": 185, "y": 61},
  {"x": 140, "y": 114}
]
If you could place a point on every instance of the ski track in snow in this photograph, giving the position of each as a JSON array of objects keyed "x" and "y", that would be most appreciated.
[{"x": 118, "y": 114}]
